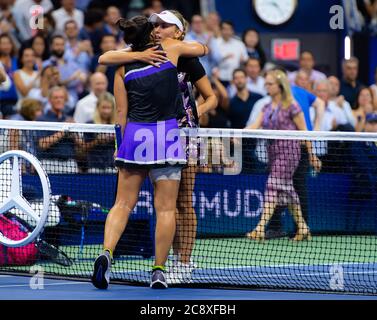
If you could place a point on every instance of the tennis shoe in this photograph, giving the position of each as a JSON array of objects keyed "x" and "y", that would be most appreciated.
[
  {"x": 180, "y": 272},
  {"x": 101, "y": 273},
  {"x": 158, "y": 280}
]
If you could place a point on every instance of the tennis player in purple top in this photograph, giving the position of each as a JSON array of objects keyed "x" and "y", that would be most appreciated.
[{"x": 148, "y": 101}]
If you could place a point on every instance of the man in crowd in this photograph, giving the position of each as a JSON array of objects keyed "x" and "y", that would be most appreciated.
[
  {"x": 255, "y": 81},
  {"x": 307, "y": 64},
  {"x": 350, "y": 85},
  {"x": 233, "y": 52},
  {"x": 57, "y": 149},
  {"x": 86, "y": 106},
  {"x": 80, "y": 52},
  {"x": 67, "y": 12},
  {"x": 72, "y": 77},
  {"x": 198, "y": 33}
]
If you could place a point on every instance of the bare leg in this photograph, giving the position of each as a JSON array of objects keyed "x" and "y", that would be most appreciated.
[
  {"x": 186, "y": 218},
  {"x": 259, "y": 231},
  {"x": 129, "y": 183},
  {"x": 302, "y": 228},
  {"x": 166, "y": 192}
]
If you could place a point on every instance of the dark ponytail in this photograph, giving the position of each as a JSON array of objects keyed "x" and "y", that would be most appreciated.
[{"x": 137, "y": 31}]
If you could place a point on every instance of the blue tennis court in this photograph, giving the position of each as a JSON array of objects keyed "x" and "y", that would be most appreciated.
[{"x": 18, "y": 288}]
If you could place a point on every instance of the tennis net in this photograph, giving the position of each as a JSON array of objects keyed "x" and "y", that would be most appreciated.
[{"x": 239, "y": 179}]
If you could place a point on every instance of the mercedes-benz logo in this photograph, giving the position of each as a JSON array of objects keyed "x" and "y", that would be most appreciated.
[{"x": 17, "y": 200}]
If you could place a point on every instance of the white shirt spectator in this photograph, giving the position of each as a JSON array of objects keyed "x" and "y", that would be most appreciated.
[
  {"x": 61, "y": 16},
  {"x": 233, "y": 52},
  {"x": 85, "y": 108},
  {"x": 343, "y": 115},
  {"x": 253, "y": 86},
  {"x": 27, "y": 79},
  {"x": 328, "y": 123},
  {"x": 22, "y": 15}
]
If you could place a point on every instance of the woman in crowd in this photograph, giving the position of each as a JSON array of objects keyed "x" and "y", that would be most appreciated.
[
  {"x": 8, "y": 59},
  {"x": 283, "y": 113},
  {"x": 26, "y": 78},
  {"x": 364, "y": 105},
  {"x": 251, "y": 39}
]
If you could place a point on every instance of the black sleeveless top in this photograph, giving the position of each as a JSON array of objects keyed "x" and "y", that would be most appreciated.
[{"x": 153, "y": 93}]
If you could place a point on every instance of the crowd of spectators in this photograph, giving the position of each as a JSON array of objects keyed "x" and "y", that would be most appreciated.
[{"x": 54, "y": 71}]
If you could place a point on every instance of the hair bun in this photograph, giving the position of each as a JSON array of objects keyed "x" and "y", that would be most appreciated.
[{"x": 126, "y": 25}]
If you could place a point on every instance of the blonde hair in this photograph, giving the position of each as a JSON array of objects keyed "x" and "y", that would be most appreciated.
[
  {"x": 104, "y": 97},
  {"x": 29, "y": 108},
  {"x": 184, "y": 23},
  {"x": 283, "y": 82}
]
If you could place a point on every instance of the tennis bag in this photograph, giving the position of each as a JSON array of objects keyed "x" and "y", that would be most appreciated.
[{"x": 22, "y": 256}]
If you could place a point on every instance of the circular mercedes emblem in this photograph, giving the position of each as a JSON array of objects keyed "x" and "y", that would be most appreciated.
[{"x": 16, "y": 200}]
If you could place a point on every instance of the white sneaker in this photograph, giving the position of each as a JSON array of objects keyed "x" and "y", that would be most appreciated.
[{"x": 180, "y": 272}]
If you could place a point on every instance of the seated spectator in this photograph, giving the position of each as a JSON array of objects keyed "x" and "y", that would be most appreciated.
[
  {"x": 80, "y": 52},
  {"x": 363, "y": 106},
  {"x": 302, "y": 80},
  {"x": 233, "y": 52},
  {"x": 50, "y": 77},
  {"x": 56, "y": 149},
  {"x": 100, "y": 147},
  {"x": 307, "y": 64},
  {"x": 8, "y": 59},
  {"x": 94, "y": 29},
  {"x": 25, "y": 139},
  {"x": 329, "y": 121},
  {"x": 199, "y": 34},
  {"x": 111, "y": 18},
  {"x": 251, "y": 39},
  {"x": 108, "y": 43},
  {"x": 255, "y": 81},
  {"x": 26, "y": 78},
  {"x": 66, "y": 13},
  {"x": 72, "y": 77},
  {"x": 86, "y": 107},
  {"x": 346, "y": 115},
  {"x": 216, "y": 118},
  {"x": 213, "y": 24},
  {"x": 21, "y": 14},
  {"x": 350, "y": 86},
  {"x": 242, "y": 103}
]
